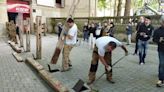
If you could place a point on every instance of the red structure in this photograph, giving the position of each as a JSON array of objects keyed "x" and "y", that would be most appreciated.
[{"x": 17, "y": 6}]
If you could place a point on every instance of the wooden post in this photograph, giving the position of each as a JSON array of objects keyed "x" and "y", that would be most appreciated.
[
  {"x": 38, "y": 37},
  {"x": 28, "y": 35},
  {"x": 20, "y": 23}
]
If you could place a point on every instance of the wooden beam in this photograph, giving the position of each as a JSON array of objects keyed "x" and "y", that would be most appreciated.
[
  {"x": 53, "y": 82},
  {"x": 27, "y": 34},
  {"x": 21, "y": 28},
  {"x": 17, "y": 57},
  {"x": 38, "y": 38}
]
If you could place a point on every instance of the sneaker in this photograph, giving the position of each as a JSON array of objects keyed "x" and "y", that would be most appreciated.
[
  {"x": 90, "y": 82},
  {"x": 141, "y": 63},
  {"x": 160, "y": 83},
  {"x": 110, "y": 81}
]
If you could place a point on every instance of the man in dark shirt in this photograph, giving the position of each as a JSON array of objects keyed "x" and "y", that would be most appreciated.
[
  {"x": 92, "y": 35},
  {"x": 144, "y": 34},
  {"x": 85, "y": 32},
  {"x": 141, "y": 21},
  {"x": 158, "y": 38}
]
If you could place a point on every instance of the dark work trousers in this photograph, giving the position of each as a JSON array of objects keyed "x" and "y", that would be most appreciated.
[
  {"x": 94, "y": 64},
  {"x": 161, "y": 65},
  {"x": 136, "y": 45}
]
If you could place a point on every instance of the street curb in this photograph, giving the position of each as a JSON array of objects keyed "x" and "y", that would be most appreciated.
[
  {"x": 17, "y": 57},
  {"x": 14, "y": 47},
  {"x": 46, "y": 76}
]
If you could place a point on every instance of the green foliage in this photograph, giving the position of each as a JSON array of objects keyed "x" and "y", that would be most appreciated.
[
  {"x": 154, "y": 4},
  {"x": 102, "y": 4},
  {"x": 139, "y": 4}
]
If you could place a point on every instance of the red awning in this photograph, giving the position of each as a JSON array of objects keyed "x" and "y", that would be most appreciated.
[{"x": 18, "y": 8}]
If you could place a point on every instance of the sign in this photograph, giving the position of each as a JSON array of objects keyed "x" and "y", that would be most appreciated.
[
  {"x": 18, "y": 8},
  {"x": 50, "y": 3}
]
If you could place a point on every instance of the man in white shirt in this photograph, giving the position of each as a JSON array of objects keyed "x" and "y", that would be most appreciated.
[
  {"x": 70, "y": 41},
  {"x": 103, "y": 51}
]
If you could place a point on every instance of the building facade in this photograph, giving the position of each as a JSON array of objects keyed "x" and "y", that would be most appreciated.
[{"x": 10, "y": 9}]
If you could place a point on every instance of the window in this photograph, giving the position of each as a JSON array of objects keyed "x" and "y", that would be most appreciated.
[{"x": 60, "y": 3}]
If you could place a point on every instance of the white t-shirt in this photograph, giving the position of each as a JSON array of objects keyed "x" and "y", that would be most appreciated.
[
  {"x": 72, "y": 32},
  {"x": 103, "y": 41}
]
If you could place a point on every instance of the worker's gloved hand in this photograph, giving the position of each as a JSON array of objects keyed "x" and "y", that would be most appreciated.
[{"x": 108, "y": 68}]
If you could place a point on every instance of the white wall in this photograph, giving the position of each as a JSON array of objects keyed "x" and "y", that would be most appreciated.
[{"x": 3, "y": 17}]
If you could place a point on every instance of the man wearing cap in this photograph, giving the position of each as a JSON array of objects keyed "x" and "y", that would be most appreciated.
[
  {"x": 70, "y": 41},
  {"x": 144, "y": 34},
  {"x": 103, "y": 51},
  {"x": 158, "y": 38}
]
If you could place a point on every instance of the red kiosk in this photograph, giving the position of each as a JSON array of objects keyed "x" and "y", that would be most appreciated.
[{"x": 17, "y": 6}]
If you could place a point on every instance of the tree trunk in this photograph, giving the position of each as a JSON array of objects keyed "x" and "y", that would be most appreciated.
[
  {"x": 119, "y": 8},
  {"x": 127, "y": 8},
  {"x": 115, "y": 7}
]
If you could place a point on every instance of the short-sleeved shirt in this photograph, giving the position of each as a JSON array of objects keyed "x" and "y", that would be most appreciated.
[
  {"x": 72, "y": 32},
  {"x": 102, "y": 42}
]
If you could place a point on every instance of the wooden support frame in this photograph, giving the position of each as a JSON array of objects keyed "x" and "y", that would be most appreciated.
[{"x": 38, "y": 38}]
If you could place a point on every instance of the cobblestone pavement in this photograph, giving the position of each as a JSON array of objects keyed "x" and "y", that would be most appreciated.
[
  {"x": 17, "y": 77},
  {"x": 129, "y": 76}
]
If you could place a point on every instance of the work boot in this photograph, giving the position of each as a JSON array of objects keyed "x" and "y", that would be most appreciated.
[
  {"x": 160, "y": 83},
  {"x": 64, "y": 70},
  {"x": 70, "y": 65},
  {"x": 110, "y": 81},
  {"x": 90, "y": 82}
]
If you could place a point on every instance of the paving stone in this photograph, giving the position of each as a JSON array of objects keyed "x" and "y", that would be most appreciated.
[{"x": 17, "y": 77}]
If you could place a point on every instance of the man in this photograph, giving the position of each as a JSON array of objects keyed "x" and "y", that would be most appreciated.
[
  {"x": 111, "y": 29},
  {"x": 70, "y": 41},
  {"x": 158, "y": 37},
  {"x": 144, "y": 34},
  {"x": 99, "y": 31},
  {"x": 17, "y": 34},
  {"x": 141, "y": 21},
  {"x": 129, "y": 32},
  {"x": 103, "y": 51},
  {"x": 85, "y": 32},
  {"x": 92, "y": 35},
  {"x": 104, "y": 30}
]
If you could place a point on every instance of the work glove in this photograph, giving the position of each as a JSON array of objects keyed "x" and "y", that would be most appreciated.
[{"x": 108, "y": 68}]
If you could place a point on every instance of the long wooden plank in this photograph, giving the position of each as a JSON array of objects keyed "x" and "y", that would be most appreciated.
[
  {"x": 27, "y": 34},
  {"x": 38, "y": 38},
  {"x": 54, "y": 83}
]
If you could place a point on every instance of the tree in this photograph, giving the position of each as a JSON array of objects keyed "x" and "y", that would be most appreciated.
[
  {"x": 119, "y": 8},
  {"x": 127, "y": 8},
  {"x": 102, "y": 5},
  {"x": 115, "y": 7}
]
